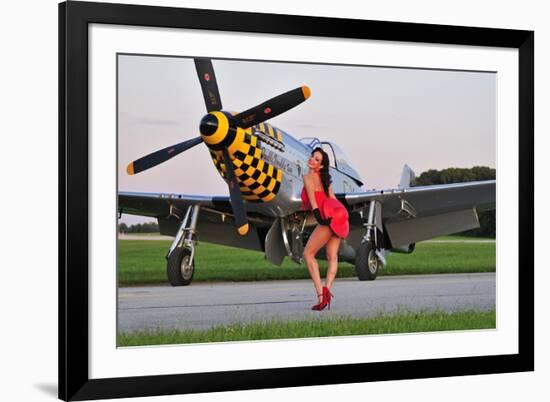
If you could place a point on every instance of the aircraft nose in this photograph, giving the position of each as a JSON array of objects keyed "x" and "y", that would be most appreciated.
[
  {"x": 209, "y": 125},
  {"x": 216, "y": 130}
]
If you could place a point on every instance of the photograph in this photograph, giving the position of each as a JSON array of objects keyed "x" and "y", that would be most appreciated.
[{"x": 269, "y": 199}]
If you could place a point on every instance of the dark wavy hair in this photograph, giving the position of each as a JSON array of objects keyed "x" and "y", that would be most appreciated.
[{"x": 324, "y": 172}]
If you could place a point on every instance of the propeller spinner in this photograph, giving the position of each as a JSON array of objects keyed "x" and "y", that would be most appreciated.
[{"x": 218, "y": 130}]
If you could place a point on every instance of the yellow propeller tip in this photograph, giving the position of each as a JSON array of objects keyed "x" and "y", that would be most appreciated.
[
  {"x": 130, "y": 169},
  {"x": 306, "y": 91},
  {"x": 243, "y": 229}
]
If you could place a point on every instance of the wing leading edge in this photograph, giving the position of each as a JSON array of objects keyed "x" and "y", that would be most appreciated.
[
  {"x": 215, "y": 223},
  {"x": 160, "y": 205}
]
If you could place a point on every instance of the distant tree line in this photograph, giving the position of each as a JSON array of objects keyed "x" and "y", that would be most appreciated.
[
  {"x": 148, "y": 227},
  {"x": 460, "y": 175}
]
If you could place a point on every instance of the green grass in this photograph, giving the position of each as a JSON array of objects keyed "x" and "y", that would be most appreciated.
[
  {"x": 442, "y": 258},
  {"x": 340, "y": 326},
  {"x": 143, "y": 262},
  {"x": 152, "y": 234},
  {"x": 458, "y": 237}
]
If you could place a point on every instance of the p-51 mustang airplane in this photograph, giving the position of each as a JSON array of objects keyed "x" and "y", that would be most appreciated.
[{"x": 263, "y": 167}]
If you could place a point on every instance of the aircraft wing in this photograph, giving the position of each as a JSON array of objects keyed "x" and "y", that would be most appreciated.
[
  {"x": 412, "y": 214},
  {"x": 163, "y": 205},
  {"x": 215, "y": 224}
]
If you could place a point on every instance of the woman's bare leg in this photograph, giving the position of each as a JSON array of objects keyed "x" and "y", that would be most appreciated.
[
  {"x": 332, "y": 258},
  {"x": 321, "y": 234}
]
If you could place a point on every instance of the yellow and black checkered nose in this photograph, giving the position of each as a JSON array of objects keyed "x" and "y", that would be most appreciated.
[
  {"x": 217, "y": 131},
  {"x": 259, "y": 181}
]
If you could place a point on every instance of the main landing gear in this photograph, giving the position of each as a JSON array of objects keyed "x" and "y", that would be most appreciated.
[
  {"x": 368, "y": 258},
  {"x": 180, "y": 265}
]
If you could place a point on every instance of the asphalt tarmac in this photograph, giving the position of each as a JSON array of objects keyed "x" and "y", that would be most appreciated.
[{"x": 204, "y": 305}]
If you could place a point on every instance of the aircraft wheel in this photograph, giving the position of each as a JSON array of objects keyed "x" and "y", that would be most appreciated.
[
  {"x": 366, "y": 262},
  {"x": 180, "y": 270}
]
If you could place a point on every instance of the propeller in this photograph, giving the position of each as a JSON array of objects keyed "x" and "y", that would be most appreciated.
[
  {"x": 218, "y": 130},
  {"x": 239, "y": 209},
  {"x": 209, "y": 86},
  {"x": 273, "y": 107},
  {"x": 156, "y": 158}
]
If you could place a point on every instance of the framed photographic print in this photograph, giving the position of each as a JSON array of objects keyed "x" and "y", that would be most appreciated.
[{"x": 239, "y": 191}]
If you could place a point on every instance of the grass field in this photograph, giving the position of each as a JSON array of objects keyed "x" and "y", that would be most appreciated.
[
  {"x": 398, "y": 323},
  {"x": 458, "y": 237},
  {"x": 143, "y": 262}
]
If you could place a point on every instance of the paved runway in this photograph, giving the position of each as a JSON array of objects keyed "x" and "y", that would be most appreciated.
[{"x": 204, "y": 305}]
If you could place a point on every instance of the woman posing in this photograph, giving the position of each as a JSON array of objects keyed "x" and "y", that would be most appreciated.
[{"x": 332, "y": 219}]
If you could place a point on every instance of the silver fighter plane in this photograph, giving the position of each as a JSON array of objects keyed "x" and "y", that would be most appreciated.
[{"x": 264, "y": 166}]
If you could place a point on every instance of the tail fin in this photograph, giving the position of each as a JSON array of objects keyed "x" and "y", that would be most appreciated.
[{"x": 407, "y": 177}]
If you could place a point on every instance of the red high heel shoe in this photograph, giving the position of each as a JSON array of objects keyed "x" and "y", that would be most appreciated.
[
  {"x": 322, "y": 304},
  {"x": 326, "y": 297}
]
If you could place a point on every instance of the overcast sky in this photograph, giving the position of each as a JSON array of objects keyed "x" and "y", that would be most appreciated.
[{"x": 381, "y": 117}]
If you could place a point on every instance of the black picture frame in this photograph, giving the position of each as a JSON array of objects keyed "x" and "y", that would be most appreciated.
[{"x": 74, "y": 18}]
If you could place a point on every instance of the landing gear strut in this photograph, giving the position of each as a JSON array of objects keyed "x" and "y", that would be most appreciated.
[
  {"x": 367, "y": 261},
  {"x": 180, "y": 265}
]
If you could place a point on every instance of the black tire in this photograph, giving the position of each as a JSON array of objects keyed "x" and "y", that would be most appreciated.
[
  {"x": 177, "y": 276},
  {"x": 367, "y": 263}
]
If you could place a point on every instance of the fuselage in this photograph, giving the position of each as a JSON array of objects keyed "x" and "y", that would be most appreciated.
[{"x": 270, "y": 165}]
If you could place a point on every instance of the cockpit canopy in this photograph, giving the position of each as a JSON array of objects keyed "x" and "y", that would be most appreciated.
[{"x": 337, "y": 157}]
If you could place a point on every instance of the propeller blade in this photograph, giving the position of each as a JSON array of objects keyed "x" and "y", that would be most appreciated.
[
  {"x": 207, "y": 78},
  {"x": 158, "y": 157},
  {"x": 273, "y": 107},
  {"x": 237, "y": 202}
]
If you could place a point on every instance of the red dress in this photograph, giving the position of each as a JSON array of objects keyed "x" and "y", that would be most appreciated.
[{"x": 329, "y": 207}]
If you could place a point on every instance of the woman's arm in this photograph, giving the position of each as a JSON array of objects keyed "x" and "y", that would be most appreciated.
[{"x": 308, "y": 184}]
